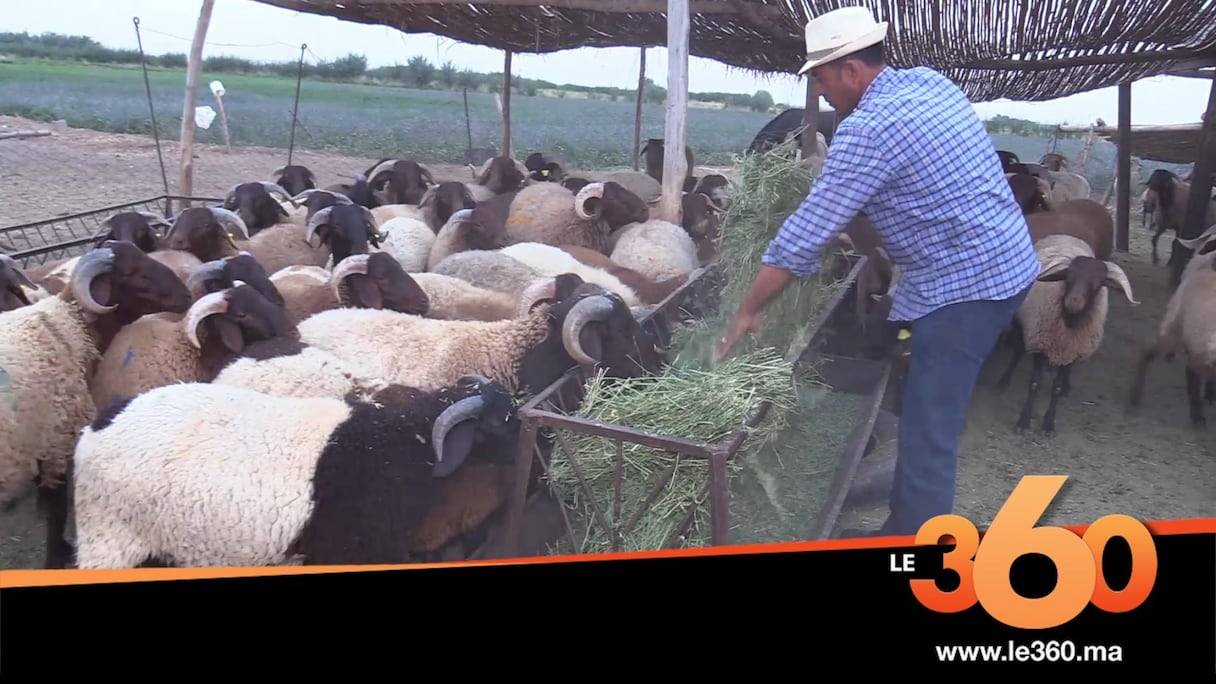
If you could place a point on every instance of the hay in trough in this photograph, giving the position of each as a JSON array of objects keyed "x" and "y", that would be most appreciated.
[
  {"x": 698, "y": 405},
  {"x": 709, "y": 403}
]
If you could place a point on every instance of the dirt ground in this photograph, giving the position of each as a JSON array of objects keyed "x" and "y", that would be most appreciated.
[{"x": 1151, "y": 465}]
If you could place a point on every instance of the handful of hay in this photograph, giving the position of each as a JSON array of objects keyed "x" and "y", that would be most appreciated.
[{"x": 699, "y": 405}]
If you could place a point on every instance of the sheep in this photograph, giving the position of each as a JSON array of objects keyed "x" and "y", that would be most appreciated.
[
  {"x": 253, "y": 203},
  {"x": 294, "y": 178},
  {"x": 647, "y": 291},
  {"x": 1062, "y": 323},
  {"x": 372, "y": 281},
  {"x": 437, "y": 205},
  {"x": 657, "y": 249},
  {"x": 1030, "y": 192},
  {"x": 487, "y": 269},
  {"x": 360, "y": 192},
  {"x": 139, "y": 227},
  {"x": 1170, "y": 197},
  {"x": 544, "y": 168},
  {"x": 47, "y": 352},
  {"x": 717, "y": 188},
  {"x": 164, "y": 348},
  {"x": 1065, "y": 185},
  {"x": 652, "y": 150},
  {"x": 323, "y": 480},
  {"x": 409, "y": 241},
  {"x": 1081, "y": 218},
  {"x": 207, "y": 233},
  {"x": 551, "y": 261},
  {"x": 497, "y": 176},
  {"x": 551, "y": 214},
  {"x": 403, "y": 181},
  {"x": 1008, "y": 160},
  {"x": 701, "y": 219},
  {"x": 587, "y": 325},
  {"x": 345, "y": 229},
  {"x": 464, "y": 232},
  {"x": 1186, "y": 326},
  {"x": 15, "y": 287},
  {"x": 451, "y": 298}
]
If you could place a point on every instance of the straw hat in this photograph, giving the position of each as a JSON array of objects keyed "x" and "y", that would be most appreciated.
[{"x": 840, "y": 32}]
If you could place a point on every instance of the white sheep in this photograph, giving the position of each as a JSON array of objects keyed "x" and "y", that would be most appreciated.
[
  {"x": 658, "y": 249},
  {"x": 1063, "y": 318},
  {"x": 451, "y": 298},
  {"x": 409, "y": 240},
  {"x": 204, "y": 475},
  {"x": 550, "y": 261}
]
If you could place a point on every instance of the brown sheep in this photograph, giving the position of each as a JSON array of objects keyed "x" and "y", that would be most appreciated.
[
  {"x": 1081, "y": 218},
  {"x": 462, "y": 233},
  {"x": 364, "y": 281},
  {"x": 1169, "y": 198}
]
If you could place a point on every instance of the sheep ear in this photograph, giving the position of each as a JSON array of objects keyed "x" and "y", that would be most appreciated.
[
  {"x": 230, "y": 334},
  {"x": 1054, "y": 273}
]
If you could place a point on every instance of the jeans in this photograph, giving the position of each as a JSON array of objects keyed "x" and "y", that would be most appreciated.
[{"x": 949, "y": 346}]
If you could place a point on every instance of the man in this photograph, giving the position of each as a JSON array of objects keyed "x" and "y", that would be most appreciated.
[{"x": 911, "y": 154}]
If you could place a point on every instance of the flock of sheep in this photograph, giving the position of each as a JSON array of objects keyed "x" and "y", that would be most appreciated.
[{"x": 328, "y": 374}]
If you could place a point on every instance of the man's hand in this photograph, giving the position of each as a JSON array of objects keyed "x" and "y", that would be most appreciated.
[{"x": 744, "y": 323}]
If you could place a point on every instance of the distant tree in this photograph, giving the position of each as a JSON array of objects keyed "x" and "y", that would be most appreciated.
[
  {"x": 762, "y": 101},
  {"x": 421, "y": 71},
  {"x": 447, "y": 74}
]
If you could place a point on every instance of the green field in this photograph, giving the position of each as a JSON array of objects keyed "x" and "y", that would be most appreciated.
[{"x": 382, "y": 121}]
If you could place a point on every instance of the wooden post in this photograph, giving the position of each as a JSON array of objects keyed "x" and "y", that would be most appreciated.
[
  {"x": 185, "y": 186},
  {"x": 637, "y": 112},
  {"x": 506, "y": 106},
  {"x": 1123, "y": 169},
  {"x": 675, "y": 164},
  {"x": 810, "y": 119},
  {"x": 1193, "y": 224}
]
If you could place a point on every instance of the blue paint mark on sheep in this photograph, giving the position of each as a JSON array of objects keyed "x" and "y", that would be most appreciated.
[
  {"x": 127, "y": 359},
  {"x": 6, "y": 389}
]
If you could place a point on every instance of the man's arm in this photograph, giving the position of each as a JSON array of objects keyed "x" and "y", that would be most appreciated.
[{"x": 856, "y": 168}]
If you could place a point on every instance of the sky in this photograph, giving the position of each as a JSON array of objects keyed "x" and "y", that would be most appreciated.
[{"x": 257, "y": 31}]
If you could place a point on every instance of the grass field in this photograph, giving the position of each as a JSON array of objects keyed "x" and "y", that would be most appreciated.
[{"x": 381, "y": 121}]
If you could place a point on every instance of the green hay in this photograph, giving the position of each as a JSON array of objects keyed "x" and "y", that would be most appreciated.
[{"x": 699, "y": 400}]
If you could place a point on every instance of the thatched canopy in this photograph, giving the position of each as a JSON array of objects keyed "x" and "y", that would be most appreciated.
[
  {"x": 1018, "y": 49},
  {"x": 1168, "y": 144}
]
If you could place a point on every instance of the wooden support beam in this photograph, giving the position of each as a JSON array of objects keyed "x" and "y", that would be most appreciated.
[
  {"x": 506, "y": 106},
  {"x": 637, "y": 111},
  {"x": 1123, "y": 170},
  {"x": 1201, "y": 191},
  {"x": 742, "y": 7},
  {"x": 675, "y": 164},
  {"x": 185, "y": 186},
  {"x": 1192, "y": 58}
]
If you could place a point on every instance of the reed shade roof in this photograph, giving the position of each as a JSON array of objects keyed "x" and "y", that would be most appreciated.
[
  {"x": 1167, "y": 144},
  {"x": 983, "y": 45}
]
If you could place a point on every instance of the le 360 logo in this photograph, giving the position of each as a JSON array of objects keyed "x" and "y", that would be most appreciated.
[{"x": 983, "y": 569}]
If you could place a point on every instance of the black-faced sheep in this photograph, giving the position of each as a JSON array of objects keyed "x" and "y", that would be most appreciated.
[
  {"x": 138, "y": 227},
  {"x": 1063, "y": 319},
  {"x": 544, "y": 168},
  {"x": 701, "y": 219},
  {"x": 587, "y": 325},
  {"x": 322, "y": 480},
  {"x": 463, "y": 232},
  {"x": 497, "y": 176},
  {"x": 254, "y": 204},
  {"x": 365, "y": 281},
  {"x": 360, "y": 192},
  {"x": 1186, "y": 327},
  {"x": 165, "y": 348},
  {"x": 716, "y": 187},
  {"x": 1169, "y": 198},
  {"x": 213, "y": 233},
  {"x": 402, "y": 181},
  {"x": 652, "y": 151},
  {"x": 294, "y": 178},
  {"x": 47, "y": 353},
  {"x": 345, "y": 229},
  {"x": 550, "y": 214},
  {"x": 15, "y": 287},
  {"x": 1029, "y": 192}
]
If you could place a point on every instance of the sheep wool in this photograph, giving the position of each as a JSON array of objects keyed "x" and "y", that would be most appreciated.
[
  {"x": 310, "y": 373},
  {"x": 46, "y": 352},
  {"x": 145, "y": 354},
  {"x": 550, "y": 262},
  {"x": 456, "y": 300},
  {"x": 488, "y": 269},
  {"x": 306, "y": 290},
  {"x": 545, "y": 213},
  {"x": 657, "y": 249},
  {"x": 409, "y": 241}
]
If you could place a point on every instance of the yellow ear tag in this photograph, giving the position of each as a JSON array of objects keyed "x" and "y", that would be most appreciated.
[
  {"x": 904, "y": 335},
  {"x": 544, "y": 172},
  {"x": 231, "y": 241}
]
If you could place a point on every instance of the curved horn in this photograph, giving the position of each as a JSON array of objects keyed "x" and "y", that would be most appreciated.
[
  {"x": 229, "y": 219},
  {"x": 426, "y": 173},
  {"x": 154, "y": 219},
  {"x": 590, "y": 190},
  {"x": 592, "y": 308},
  {"x": 1194, "y": 244},
  {"x": 1056, "y": 264},
  {"x": 207, "y": 305},
  {"x": 231, "y": 194},
  {"x": 355, "y": 263},
  {"x": 373, "y": 228},
  {"x": 91, "y": 265},
  {"x": 382, "y": 166},
  {"x": 279, "y": 171},
  {"x": 1116, "y": 276},
  {"x": 276, "y": 188},
  {"x": 311, "y": 176},
  {"x": 462, "y": 216},
  {"x": 539, "y": 290},
  {"x": 104, "y": 228},
  {"x": 15, "y": 268},
  {"x": 318, "y": 219},
  {"x": 210, "y": 270},
  {"x": 465, "y": 409},
  {"x": 480, "y": 172}
]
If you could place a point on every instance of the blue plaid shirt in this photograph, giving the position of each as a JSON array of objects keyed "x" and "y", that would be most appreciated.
[{"x": 915, "y": 158}]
